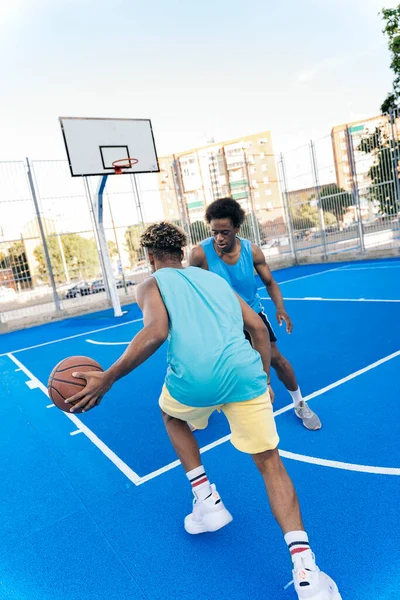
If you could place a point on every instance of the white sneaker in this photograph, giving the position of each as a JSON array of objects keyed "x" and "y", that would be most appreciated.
[
  {"x": 208, "y": 515},
  {"x": 313, "y": 584}
]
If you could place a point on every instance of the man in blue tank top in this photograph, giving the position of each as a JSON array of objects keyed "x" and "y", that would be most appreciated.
[
  {"x": 211, "y": 367},
  {"x": 235, "y": 259}
]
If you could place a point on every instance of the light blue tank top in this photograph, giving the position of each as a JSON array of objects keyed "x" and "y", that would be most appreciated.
[
  {"x": 210, "y": 362},
  {"x": 240, "y": 276}
]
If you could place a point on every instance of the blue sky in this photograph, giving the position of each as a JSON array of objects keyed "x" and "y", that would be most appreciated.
[{"x": 197, "y": 69}]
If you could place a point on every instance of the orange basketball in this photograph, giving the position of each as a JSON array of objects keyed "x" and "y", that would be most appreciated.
[{"x": 62, "y": 385}]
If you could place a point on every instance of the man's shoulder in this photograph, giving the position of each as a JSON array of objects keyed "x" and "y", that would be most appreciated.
[{"x": 197, "y": 256}]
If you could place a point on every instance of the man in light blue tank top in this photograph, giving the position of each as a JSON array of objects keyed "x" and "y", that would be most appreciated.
[
  {"x": 211, "y": 366},
  {"x": 235, "y": 259}
]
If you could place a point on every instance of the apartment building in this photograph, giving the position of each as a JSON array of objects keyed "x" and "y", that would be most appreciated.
[{"x": 243, "y": 168}]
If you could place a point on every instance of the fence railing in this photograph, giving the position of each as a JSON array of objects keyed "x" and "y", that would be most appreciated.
[{"x": 333, "y": 198}]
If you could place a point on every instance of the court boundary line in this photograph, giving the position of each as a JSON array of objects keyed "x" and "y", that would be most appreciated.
[
  {"x": 304, "y": 277},
  {"x": 301, "y": 457},
  {"x": 70, "y": 337},
  {"x": 82, "y": 428}
]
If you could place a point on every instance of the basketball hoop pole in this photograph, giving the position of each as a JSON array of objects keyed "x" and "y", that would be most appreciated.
[{"x": 108, "y": 275}]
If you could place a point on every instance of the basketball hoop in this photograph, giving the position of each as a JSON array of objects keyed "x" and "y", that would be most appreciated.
[{"x": 123, "y": 163}]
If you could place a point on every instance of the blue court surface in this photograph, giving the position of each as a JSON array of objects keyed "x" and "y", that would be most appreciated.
[{"x": 92, "y": 506}]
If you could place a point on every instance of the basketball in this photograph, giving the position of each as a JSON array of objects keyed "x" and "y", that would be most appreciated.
[{"x": 62, "y": 385}]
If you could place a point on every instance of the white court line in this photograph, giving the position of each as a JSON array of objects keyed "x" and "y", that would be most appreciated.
[
  {"x": 123, "y": 467},
  {"x": 76, "y": 432},
  {"x": 111, "y": 343},
  {"x": 300, "y": 457},
  {"x": 317, "y": 299},
  {"x": 376, "y": 268},
  {"x": 70, "y": 337},
  {"x": 303, "y": 277},
  {"x": 340, "y": 465}
]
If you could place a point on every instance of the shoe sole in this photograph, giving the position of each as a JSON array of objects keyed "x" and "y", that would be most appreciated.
[
  {"x": 209, "y": 524},
  {"x": 312, "y": 428},
  {"x": 332, "y": 594}
]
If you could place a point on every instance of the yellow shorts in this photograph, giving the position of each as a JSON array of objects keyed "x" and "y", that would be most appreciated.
[{"x": 251, "y": 422}]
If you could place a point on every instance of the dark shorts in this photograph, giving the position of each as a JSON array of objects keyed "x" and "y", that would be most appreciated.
[{"x": 272, "y": 336}]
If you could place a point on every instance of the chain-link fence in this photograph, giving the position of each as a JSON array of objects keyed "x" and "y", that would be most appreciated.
[{"x": 332, "y": 199}]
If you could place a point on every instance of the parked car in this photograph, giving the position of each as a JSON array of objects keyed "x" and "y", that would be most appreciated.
[
  {"x": 79, "y": 289},
  {"x": 97, "y": 286}
]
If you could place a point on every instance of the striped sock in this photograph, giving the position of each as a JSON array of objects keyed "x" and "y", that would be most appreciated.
[
  {"x": 199, "y": 481},
  {"x": 297, "y": 542}
]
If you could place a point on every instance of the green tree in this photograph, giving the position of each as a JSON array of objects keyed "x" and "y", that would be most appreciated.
[
  {"x": 305, "y": 216},
  {"x": 391, "y": 18},
  {"x": 383, "y": 173},
  {"x": 112, "y": 248},
  {"x": 132, "y": 244},
  {"x": 335, "y": 200},
  {"x": 329, "y": 219},
  {"x": 80, "y": 256}
]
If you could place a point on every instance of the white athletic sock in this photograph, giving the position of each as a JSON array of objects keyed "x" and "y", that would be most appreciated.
[
  {"x": 199, "y": 481},
  {"x": 296, "y": 396},
  {"x": 297, "y": 542}
]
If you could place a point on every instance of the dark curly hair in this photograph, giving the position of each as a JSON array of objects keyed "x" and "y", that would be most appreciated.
[
  {"x": 164, "y": 240},
  {"x": 225, "y": 208}
]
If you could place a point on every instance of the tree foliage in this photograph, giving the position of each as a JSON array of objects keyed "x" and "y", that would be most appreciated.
[
  {"x": 391, "y": 18},
  {"x": 307, "y": 216},
  {"x": 384, "y": 171},
  {"x": 80, "y": 255},
  {"x": 132, "y": 244},
  {"x": 335, "y": 200}
]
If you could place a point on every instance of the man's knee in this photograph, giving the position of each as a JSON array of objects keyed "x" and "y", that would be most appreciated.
[
  {"x": 268, "y": 460},
  {"x": 277, "y": 360}
]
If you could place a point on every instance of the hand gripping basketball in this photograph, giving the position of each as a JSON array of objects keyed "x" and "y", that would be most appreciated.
[{"x": 97, "y": 384}]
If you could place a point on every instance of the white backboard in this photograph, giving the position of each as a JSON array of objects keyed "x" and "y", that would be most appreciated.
[{"x": 93, "y": 144}]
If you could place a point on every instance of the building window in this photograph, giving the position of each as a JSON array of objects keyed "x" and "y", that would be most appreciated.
[
  {"x": 253, "y": 170},
  {"x": 262, "y": 154},
  {"x": 254, "y": 183},
  {"x": 268, "y": 192},
  {"x": 256, "y": 194},
  {"x": 266, "y": 179},
  {"x": 262, "y": 141},
  {"x": 264, "y": 168}
]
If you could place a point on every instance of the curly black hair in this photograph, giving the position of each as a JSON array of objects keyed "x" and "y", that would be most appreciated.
[
  {"x": 164, "y": 240},
  {"x": 225, "y": 208}
]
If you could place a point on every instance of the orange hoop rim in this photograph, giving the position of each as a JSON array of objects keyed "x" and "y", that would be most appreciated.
[{"x": 123, "y": 163}]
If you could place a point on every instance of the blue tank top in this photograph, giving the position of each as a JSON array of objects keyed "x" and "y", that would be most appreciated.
[
  {"x": 210, "y": 362},
  {"x": 239, "y": 276}
]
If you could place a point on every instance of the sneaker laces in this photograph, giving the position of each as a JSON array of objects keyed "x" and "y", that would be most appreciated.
[{"x": 304, "y": 410}]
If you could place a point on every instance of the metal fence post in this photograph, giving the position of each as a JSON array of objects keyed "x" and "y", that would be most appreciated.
[
  {"x": 356, "y": 195},
  {"x": 183, "y": 210},
  {"x": 254, "y": 222},
  {"x": 287, "y": 210},
  {"x": 43, "y": 237},
  {"x": 318, "y": 192}
]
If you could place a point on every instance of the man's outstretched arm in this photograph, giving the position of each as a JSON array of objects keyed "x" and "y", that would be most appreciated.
[{"x": 143, "y": 345}]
